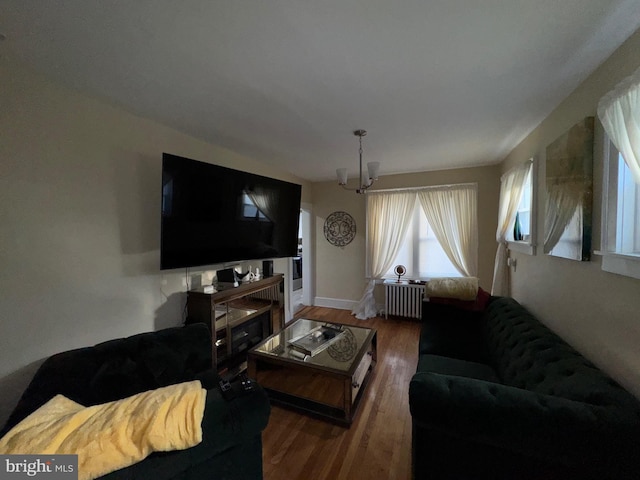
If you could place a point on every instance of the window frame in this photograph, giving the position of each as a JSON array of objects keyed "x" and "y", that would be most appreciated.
[
  {"x": 613, "y": 261},
  {"x": 528, "y": 247},
  {"x": 368, "y": 273},
  {"x": 259, "y": 215},
  {"x": 415, "y": 240}
]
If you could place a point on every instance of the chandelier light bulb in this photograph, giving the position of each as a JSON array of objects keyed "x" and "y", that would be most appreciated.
[
  {"x": 372, "y": 168},
  {"x": 342, "y": 176}
]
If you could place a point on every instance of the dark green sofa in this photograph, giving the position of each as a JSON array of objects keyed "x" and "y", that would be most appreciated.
[
  {"x": 497, "y": 395},
  {"x": 232, "y": 444}
]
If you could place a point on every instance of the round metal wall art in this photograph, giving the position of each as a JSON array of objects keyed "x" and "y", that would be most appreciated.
[{"x": 339, "y": 229}]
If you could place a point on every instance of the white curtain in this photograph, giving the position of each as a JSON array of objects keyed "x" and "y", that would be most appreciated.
[
  {"x": 388, "y": 217},
  {"x": 453, "y": 216},
  {"x": 511, "y": 187},
  {"x": 265, "y": 199},
  {"x": 563, "y": 199},
  {"x": 619, "y": 111}
]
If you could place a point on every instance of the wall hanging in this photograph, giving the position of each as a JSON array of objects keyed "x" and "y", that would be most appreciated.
[
  {"x": 339, "y": 229},
  {"x": 569, "y": 188}
]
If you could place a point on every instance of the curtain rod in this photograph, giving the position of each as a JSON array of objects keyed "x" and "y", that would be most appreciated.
[{"x": 429, "y": 187}]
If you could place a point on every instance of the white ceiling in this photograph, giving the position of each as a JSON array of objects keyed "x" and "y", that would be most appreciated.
[{"x": 436, "y": 83}]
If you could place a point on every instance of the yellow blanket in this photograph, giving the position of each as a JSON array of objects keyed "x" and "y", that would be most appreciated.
[{"x": 113, "y": 435}]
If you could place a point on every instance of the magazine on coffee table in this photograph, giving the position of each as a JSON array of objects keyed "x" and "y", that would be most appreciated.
[{"x": 316, "y": 340}]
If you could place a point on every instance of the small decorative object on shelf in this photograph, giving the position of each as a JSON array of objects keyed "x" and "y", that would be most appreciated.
[
  {"x": 400, "y": 270},
  {"x": 339, "y": 229}
]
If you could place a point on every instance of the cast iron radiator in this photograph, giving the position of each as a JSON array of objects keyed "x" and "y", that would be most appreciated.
[{"x": 403, "y": 300}]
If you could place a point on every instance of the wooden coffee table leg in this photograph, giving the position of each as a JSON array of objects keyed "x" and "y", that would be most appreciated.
[{"x": 347, "y": 400}]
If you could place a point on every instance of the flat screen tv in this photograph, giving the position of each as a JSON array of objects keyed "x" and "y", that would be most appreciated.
[{"x": 213, "y": 215}]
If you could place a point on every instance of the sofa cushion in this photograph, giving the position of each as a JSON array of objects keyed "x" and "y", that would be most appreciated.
[
  {"x": 506, "y": 421},
  {"x": 452, "y": 332},
  {"x": 118, "y": 378},
  {"x": 209, "y": 379},
  {"x": 551, "y": 414},
  {"x": 459, "y": 368}
]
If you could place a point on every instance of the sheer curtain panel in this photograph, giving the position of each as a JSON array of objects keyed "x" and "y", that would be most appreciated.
[
  {"x": 563, "y": 199},
  {"x": 453, "y": 215},
  {"x": 388, "y": 217},
  {"x": 619, "y": 112},
  {"x": 511, "y": 186},
  {"x": 266, "y": 200}
]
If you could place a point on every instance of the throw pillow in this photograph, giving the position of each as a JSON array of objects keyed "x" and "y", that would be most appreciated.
[{"x": 460, "y": 288}]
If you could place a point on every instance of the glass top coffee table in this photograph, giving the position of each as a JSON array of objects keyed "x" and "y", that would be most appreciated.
[{"x": 330, "y": 381}]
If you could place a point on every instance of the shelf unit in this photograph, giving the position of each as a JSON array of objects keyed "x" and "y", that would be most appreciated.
[{"x": 238, "y": 317}]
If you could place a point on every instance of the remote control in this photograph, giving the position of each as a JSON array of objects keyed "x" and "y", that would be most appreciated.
[
  {"x": 242, "y": 385},
  {"x": 225, "y": 387},
  {"x": 247, "y": 383}
]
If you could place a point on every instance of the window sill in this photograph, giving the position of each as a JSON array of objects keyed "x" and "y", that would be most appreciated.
[
  {"x": 414, "y": 280},
  {"x": 522, "y": 247},
  {"x": 627, "y": 265}
]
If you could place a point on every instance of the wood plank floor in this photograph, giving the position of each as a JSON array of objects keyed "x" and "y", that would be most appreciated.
[{"x": 378, "y": 443}]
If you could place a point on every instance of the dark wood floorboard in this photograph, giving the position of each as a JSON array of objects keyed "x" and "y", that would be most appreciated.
[{"x": 378, "y": 443}]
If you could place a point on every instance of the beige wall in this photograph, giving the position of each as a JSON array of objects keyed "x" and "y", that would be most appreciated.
[
  {"x": 597, "y": 312},
  {"x": 340, "y": 272},
  {"x": 80, "y": 215}
]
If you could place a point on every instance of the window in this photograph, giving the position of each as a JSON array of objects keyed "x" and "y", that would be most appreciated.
[
  {"x": 522, "y": 222},
  {"x": 250, "y": 210},
  {"x": 619, "y": 111},
  {"x": 620, "y": 216},
  {"x": 627, "y": 211},
  {"x": 421, "y": 252}
]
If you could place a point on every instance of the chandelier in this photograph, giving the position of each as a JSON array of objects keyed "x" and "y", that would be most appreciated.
[{"x": 372, "y": 168}]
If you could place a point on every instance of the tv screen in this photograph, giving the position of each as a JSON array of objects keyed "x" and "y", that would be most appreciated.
[{"x": 213, "y": 214}]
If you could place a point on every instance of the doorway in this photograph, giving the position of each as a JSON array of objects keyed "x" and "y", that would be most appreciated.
[{"x": 300, "y": 266}]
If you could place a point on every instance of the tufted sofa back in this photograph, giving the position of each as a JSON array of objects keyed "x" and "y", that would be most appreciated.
[
  {"x": 526, "y": 354},
  {"x": 118, "y": 368}
]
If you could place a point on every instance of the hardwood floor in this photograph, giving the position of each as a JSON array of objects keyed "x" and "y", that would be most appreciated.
[{"x": 378, "y": 443}]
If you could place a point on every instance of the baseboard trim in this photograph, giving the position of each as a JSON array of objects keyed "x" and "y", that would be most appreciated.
[
  {"x": 335, "y": 303},
  {"x": 343, "y": 304}
]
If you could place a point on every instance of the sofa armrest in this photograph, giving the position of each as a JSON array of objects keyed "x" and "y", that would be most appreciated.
[
  {"x": 225, "y": 425},
  {"x": 525, "y": 422}
]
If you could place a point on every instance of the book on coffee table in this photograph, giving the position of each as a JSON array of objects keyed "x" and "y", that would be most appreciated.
[{"x": 316, "y": 340}]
